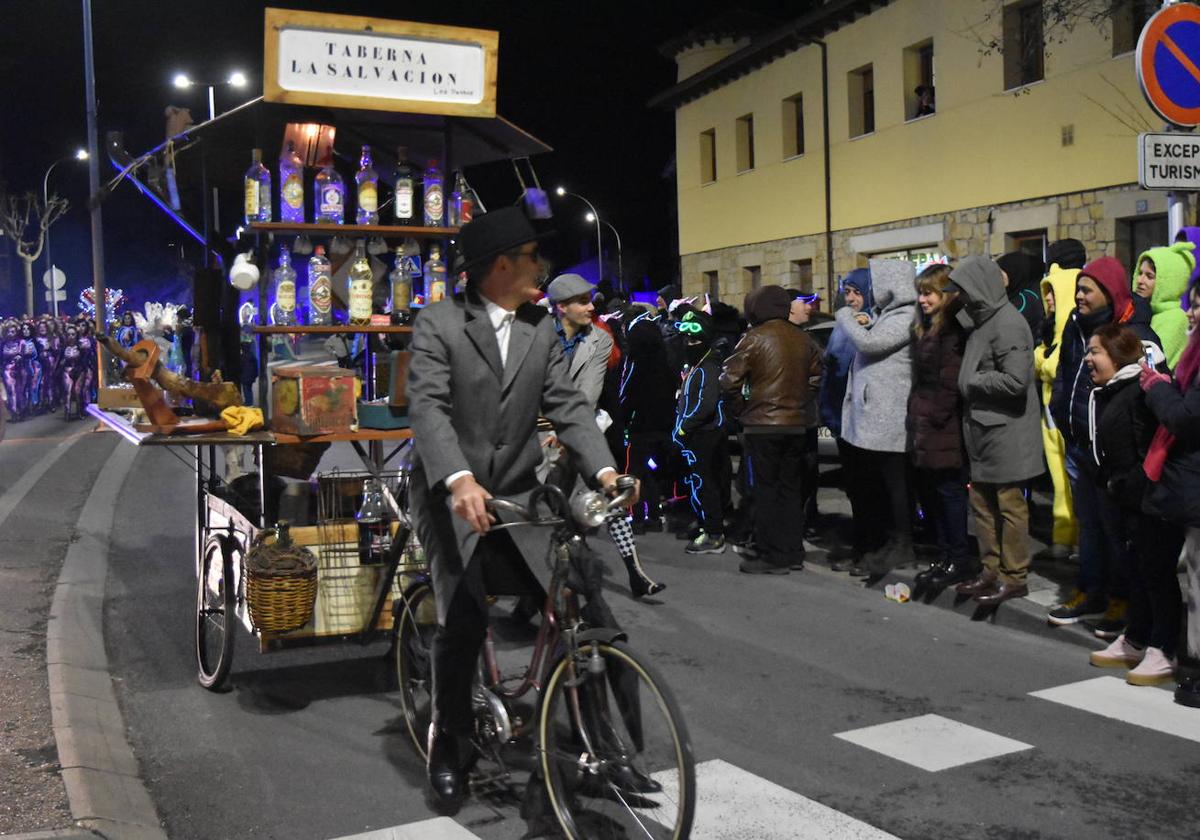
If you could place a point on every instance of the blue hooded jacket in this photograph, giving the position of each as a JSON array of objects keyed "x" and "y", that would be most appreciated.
[{"x": 839, "y": 355}]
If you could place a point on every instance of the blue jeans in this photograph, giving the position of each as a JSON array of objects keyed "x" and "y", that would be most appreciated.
[
  {"x": 1103, "y": 554},
  {"x": 950, "y": 515}
]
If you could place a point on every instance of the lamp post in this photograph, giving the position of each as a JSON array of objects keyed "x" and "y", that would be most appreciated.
[
  {"x": 80, "y": 154},
  {"x": 593, "y": 218},
  {"x": 236, "y": 79},
  {"x": 599, "y": 251}
]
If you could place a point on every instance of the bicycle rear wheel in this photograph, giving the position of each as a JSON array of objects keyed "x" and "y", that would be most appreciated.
[
  {"x": 215, "y": 615},
  {"x": 415, "y": 624},
  {"x": 614, "y": 750}
]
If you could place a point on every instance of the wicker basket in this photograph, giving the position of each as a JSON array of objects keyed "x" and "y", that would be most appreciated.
[{"x": 281, "y": 584}]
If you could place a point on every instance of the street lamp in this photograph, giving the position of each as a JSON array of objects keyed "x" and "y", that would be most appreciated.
[
  {"x": 236, "y": 79},
  {"x": 562, "y": 191},
  {"x": 593, "y": 218},
  {"x": 80, "y": 154}
]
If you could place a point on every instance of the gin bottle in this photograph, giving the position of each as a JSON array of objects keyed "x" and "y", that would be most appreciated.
[
  {"x": 435, "y": 276},
  {"x": 456, "y": 201},
  {"x": 291, "y": 185},
  {"x": 405, "y": 189},
  {"x": 401, "y": 282},
  {"x": 368, "y": 190},
  {"x": 330, "y": 199},
  {"x": 257, "y": 189},
  {"x": 284, "y": 310},
  {"x": 320, "y": 289},
  {"x": 435, "y": 205},
  {"x": 362, "y": 281}
]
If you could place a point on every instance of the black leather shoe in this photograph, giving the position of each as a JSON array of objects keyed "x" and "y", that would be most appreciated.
[
  {"x": 925, "y": 575},
  {"x": 1187, "y": 693},
  {"x": 447, "y": 779},
  {"x": 951, "y": 574}
]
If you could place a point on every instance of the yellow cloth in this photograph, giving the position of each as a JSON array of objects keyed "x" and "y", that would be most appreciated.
[{"x": 242, "y": 419}]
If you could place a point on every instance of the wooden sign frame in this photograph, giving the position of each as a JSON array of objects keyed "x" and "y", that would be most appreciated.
[{"x": 277, "y": 20}]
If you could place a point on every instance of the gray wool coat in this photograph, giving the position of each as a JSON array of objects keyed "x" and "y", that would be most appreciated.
[
  {"x": 470, "y": 412},
  {"x": 1001, "y": 417},
  {"x": 873, "y": 411}
]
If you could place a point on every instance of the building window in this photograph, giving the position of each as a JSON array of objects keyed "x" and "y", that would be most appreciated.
[
  {"x": 712, "y": 284},
  {"x": 751, "y": 277},
  {"x": 793, "y": 126},
  {"x": 1138, "y": 235},
  {"x": 1023, "y": 45},
  {"x": 800, "y": 276},
  {"x": 862, "y": 101},
  {"x": 918, "y": 80},
  {"x": 1032, "y": 242},
  {"x": 708, "y": 156},
  {"x": 745, "y": 143},
  {"x": 1129, "y": 18}
]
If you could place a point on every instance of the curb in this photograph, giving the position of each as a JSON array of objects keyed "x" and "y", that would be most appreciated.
[{"x": 99, "y": 770}]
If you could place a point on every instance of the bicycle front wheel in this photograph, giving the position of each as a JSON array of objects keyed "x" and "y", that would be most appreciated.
[
  {"x": 615, "y": 754},
  {"x": 416, "y": 623}
]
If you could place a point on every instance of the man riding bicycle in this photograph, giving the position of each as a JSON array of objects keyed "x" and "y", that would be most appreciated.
[{"x": 485, "y": 365}]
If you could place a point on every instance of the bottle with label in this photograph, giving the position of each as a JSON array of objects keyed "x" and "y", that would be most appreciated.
[
  {"x": 320, "y": 289},
  {"x": 435, "y": 276},
  {"x": 291, "y": 185},
  {"x": 455, "y": 203},
  {"x": 412, "y": 264},
  {"x": 368, "y": 190},
  {"x": 362, "y": 282},
  {"x": 435, "y": 206},
  {"x": 284, "y": 310},
  {"x": 329, "y": 203},
  {"x": 401, "y": 281},
  {"x": 257, "y": 188},
  {"x": 405, "y": 191},
  {"x": 467, "y": 207}
]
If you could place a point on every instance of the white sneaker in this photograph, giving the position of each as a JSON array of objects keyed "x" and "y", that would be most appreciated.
[
  {"x": 1154, "y": 669},
  {"x": 1119, "y": 654}
]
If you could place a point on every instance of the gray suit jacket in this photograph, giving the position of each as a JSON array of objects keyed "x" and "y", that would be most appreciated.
[
  {"x": 589, "y": 364},
  {"x": 469, "y": 413}
]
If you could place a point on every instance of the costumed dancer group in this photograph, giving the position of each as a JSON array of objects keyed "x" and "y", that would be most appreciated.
[{"x": 48, "y": 363}]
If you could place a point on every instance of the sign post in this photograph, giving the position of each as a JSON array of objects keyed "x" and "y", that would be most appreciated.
[
  {"x": 54, "y": 280},
  {"x": 1168, "y": 70}
]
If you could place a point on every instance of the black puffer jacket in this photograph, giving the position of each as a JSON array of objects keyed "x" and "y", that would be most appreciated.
[
  {"x": 1124, "y": 427},
  {"x": 1176, "y": 496},
  {"x": 935, "y": 405}
]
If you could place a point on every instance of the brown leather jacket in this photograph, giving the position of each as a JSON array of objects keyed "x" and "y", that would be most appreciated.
[{"x": 781, "y": 364}]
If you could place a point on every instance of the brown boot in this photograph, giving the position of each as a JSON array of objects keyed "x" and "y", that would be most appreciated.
[
  {"x": 1006, "y": 590},
  {"x": 986, "y": 582}
]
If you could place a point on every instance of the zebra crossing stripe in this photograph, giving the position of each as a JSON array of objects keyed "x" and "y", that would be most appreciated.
[
  {"x": 1112, "y": 697},
  {"x": 442, "y": 828}
]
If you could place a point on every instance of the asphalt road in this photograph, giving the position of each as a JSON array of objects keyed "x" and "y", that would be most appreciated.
[{"x": 768, "y": 671}]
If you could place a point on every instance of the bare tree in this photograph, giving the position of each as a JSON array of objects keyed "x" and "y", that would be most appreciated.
[
  {"x": 25, "y": 220},
  {"x": 1060, "y": 18}
]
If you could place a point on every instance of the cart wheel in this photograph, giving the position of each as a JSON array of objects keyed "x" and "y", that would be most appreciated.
[
  {"x": 215, "y": 617},
  {"x": 416, "y": 621}
]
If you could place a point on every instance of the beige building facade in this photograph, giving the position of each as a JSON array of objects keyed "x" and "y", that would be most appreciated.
[{"x": 1019, "y": 147}]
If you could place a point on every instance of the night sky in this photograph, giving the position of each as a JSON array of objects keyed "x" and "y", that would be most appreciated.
[{"x": 574, "y": 74}]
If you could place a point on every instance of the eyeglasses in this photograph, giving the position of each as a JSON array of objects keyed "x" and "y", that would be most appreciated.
[{"x": 689, "y": 326}]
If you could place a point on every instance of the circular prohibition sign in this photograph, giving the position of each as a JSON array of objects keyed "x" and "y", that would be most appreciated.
[{"x": 1168, "y": 63}]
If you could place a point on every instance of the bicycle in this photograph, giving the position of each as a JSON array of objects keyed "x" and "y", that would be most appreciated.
[{"x": 606, "y": 734}]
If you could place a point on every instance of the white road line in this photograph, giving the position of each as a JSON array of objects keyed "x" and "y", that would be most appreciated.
[
  {"x": 733, "y": 804},
  {"x": 13, "y": 496},
  {"x": 442, "y": 828},
  {"x": 933, "y": 742},
  {"x": 1112, "y": 697}
]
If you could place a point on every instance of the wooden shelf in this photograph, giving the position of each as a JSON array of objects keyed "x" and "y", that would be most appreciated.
[
  {"x": 361, "y": 435},
  {"x": 354, "y": 230},
  {"x": 335, "y": 329}
]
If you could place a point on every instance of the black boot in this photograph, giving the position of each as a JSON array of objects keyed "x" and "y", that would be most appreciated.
[
  {"x": 640, "y": 583},
  {"x": 447, "y": 778}
]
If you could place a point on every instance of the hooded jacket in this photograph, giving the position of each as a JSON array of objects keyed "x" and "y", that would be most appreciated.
[
  {"x": 1024, "y": 280},
  {"x": 839, "y": 355},
  {"x": 881, "y": 374},
  {"x": 1122, "y": 428},
  {"x": 1072, "y": 384},
  {"x": 1001, "y": 418},
  {"x": 1173, "y": 267},
  {"x": 1060, "y": 281}
]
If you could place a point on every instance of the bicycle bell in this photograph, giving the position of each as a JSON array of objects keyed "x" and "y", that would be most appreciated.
[{"x": 589, "y": 509}]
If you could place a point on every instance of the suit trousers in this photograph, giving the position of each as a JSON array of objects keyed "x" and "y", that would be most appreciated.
[
  {"x": 778, "y": 467},
  {"x": 1002, "y": 526}
]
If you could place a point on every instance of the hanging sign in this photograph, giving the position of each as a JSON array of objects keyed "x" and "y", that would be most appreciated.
[
  {"x": 1169, "y": 161},
  {"x": 346, "y": 61},
  {"x": 1168, "y": 63}
]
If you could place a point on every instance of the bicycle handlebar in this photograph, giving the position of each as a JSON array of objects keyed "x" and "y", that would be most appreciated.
[{"x": 587, "y": 510}]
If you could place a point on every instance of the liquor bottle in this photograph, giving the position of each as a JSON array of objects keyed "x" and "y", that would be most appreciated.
[
  {"x": 456, "y": 201},
  {"x": 362, "y": 281},
  {"x": 291, "y": 185},
  {"x": 401, "y": 281},
  {"x": 368, "y": 190},
  {"x": 257, "y": 188},
  {"x": 329, "y": 203},
  {"x": 284, "y": 310},
  {"x": 435, "y": 276},
  {"x": 412, "y": 264},
  {"x": 467, "y": 209},
  {"x": 405, "y": 189},
  {"x": 435, "y": 209},
  {"x": 320, "y": 289}
]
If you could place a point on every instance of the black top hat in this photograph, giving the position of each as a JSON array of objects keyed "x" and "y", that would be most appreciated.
[{"x": 492, "y": 234}]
